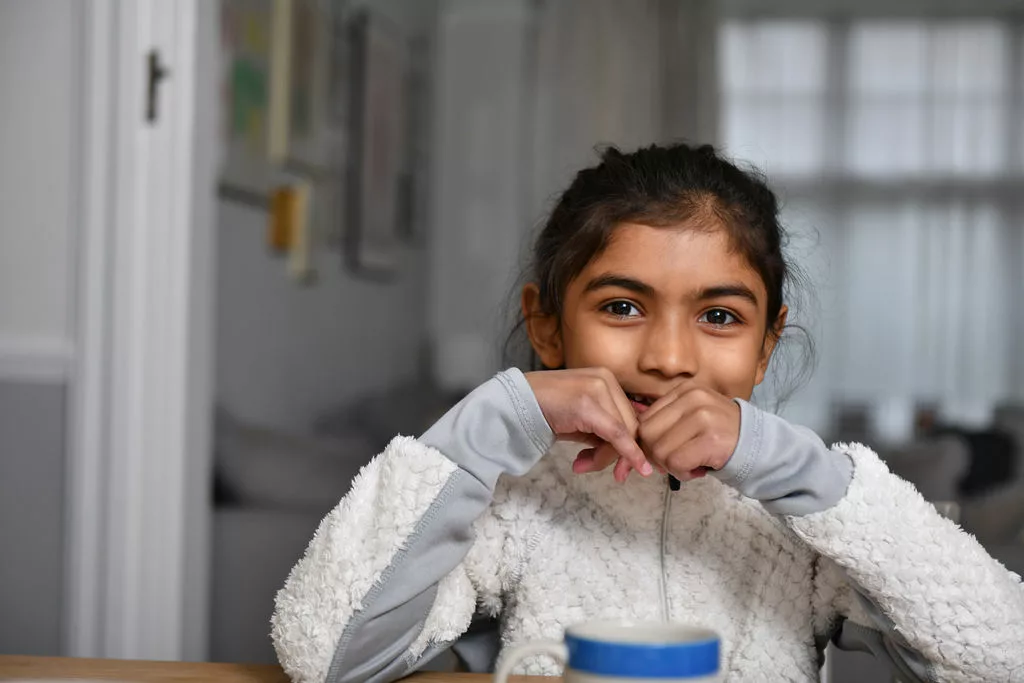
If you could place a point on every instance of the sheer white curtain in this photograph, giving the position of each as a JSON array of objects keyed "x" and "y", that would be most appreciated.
[
  {"x": 896, "y": 144},
  {"x": 598, "y": 82},
  {"x": 623, "y": 73}
]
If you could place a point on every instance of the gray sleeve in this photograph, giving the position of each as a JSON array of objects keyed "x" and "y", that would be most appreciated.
[
  {"x": 499, "y": 428},
  {"x": 786, "y": 467}
]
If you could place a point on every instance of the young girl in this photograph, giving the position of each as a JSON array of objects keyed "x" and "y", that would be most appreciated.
[{"x": 655, "y": 305}]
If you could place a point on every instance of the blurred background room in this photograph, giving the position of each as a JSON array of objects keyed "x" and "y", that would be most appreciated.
[{"x": 246, "y": 242}]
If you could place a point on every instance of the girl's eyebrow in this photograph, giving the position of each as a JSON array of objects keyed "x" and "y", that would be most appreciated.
[
  {"x": 727, "y": 290},
  {"x": 632, "y": 284},
  {"x": 613, "y": 280}
]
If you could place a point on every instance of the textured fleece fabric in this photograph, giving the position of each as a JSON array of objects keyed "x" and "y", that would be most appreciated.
[{"x": 482, "y": 517}]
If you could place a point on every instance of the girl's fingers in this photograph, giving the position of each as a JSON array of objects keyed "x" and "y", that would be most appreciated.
[
  {"x": 623, "y": 466},
  {"x": 680, "y": 439},
  {"x": 671, "y": 420},
  {"x": 658, "y": 406},
  {"x": 615, "y": 433},
  {"x": 612, "y": 399},
  {"x": 683, "y": 433},
  {"x": 604, "y": 457},
  {"x": 589, "y": 406},
  {"x": 687, "y": 462},
  {"x": 584, "y": 461},
  {"x": 622, "y": 470},
  {"x": 621, "y": 403},
  {"x": 582, "y": 437},
  {"x": 698, "y": 473},
  {"x": 681, "y": 400},
  {"x": 595, "y": 459},
  {"x": 676, "y": 454}
]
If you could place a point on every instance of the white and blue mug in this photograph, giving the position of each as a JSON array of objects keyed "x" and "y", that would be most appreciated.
[{"x": 625, "y": 652}]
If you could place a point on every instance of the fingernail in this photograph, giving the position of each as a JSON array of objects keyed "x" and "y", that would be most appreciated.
[{"x": 646, "y": 469}]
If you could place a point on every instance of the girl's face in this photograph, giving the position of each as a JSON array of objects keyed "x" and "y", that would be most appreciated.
[{"x": 661, "y": 307}]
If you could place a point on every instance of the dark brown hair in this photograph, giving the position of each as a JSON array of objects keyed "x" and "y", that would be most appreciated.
[{"x": 659, "y": 186}]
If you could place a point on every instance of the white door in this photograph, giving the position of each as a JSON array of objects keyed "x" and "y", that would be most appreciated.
[{"x": 140, "y": 410}]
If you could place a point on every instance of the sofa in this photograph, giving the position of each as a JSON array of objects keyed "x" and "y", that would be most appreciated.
[{"x": 271, "y": 489}]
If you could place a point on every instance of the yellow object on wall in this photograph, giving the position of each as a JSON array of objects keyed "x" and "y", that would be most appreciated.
[{"x": 288, "y": 228}]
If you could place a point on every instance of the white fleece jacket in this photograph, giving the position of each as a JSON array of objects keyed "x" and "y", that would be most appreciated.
[{"x": 427, "y": 542}]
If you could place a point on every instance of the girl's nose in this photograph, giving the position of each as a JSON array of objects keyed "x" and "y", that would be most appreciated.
[{"x": 670, "y": 350}]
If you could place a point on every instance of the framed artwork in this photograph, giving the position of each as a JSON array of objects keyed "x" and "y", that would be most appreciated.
[
  {"x": 330, "y": 214},
  {"x": 312, "y": 140},
  {"x": 376, "y": 148},
  {"x": 276, "y": 61},
  {"x": 253, "y": 55}
]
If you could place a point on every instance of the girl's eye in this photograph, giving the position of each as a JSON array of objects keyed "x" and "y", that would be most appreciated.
[
  {"x": 719, "y": 317},
  {"x": 622, "y": 309}
]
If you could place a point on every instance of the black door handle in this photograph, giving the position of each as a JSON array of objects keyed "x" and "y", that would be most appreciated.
[{"x": 157, "y": 72}]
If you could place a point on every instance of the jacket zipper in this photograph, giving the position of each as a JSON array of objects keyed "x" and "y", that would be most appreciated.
[{"x": 663, "y": 583}]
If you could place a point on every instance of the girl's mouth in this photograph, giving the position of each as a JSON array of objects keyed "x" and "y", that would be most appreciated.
[{"x": 640, "y": 402}]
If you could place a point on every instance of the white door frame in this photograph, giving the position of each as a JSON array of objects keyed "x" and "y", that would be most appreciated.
[{"x": 139, "y": 400}]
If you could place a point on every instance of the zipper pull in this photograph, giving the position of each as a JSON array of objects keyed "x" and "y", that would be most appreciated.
[{"x": 673, "y": 483}]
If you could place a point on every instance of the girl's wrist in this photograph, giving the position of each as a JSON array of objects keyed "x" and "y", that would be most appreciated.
[
  {"x": 740, "y": 463},
  {"x": 786, "y": 467}
]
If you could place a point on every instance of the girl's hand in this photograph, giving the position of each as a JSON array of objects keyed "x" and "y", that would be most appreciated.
[
  {"x": 588, "y": 406},
  {"x": 690, "y": 431}
]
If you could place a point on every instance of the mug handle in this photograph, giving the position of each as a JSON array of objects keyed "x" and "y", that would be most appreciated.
[{"x": 544, "y": 647}]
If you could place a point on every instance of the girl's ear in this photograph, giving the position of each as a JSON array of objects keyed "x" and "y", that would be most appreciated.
[
  {"x": 770, "y": 341},
  {"x": 543, "y": 329}
]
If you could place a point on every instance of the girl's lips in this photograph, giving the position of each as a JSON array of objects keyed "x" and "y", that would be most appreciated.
[
  {"x": 640, "y": 402},
  {"x": 638, "y": 407}
]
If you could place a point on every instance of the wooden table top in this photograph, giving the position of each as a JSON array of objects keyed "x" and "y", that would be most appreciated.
[{"x": 24, "y": 667}]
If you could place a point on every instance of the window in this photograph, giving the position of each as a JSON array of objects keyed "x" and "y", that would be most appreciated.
[
  {"x": 872, "y": 99},
  {"x": 896, "y": 146}
]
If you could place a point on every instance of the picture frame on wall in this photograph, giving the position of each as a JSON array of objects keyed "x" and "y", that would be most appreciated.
[
  {"x": 254, "y": 54},
  {"x": 276, "y": 59},
  {"x": 376, "y": 149},
  {"x": 311, "y": 145}
]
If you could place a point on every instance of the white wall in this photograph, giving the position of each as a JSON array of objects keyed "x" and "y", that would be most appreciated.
[
  {"x": 38, "y": 109},
  {"x": 286, "y": 353},
  {"x": 37, "y": 53}
]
